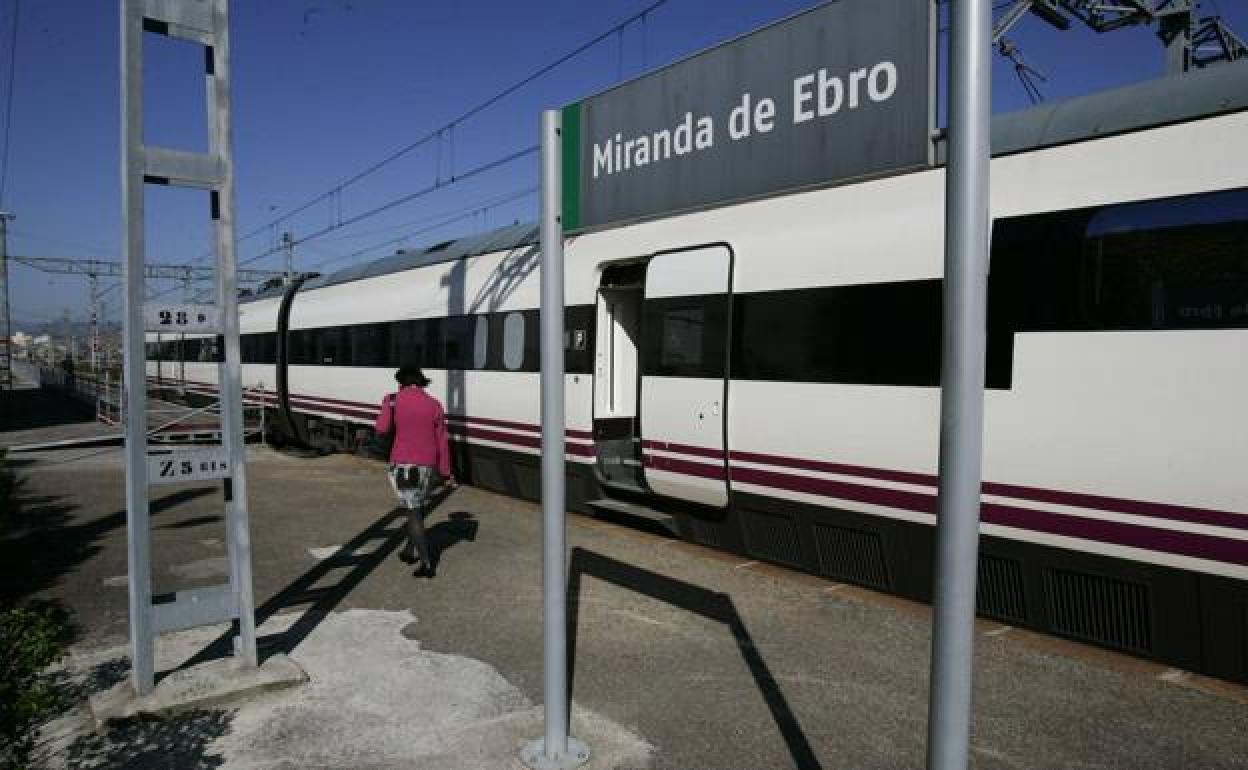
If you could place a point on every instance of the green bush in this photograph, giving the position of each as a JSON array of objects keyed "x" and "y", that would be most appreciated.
[{"x": 31, "y": 639}]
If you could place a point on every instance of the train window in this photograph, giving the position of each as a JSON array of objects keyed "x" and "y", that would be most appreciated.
[
  {"x": 210, "y": 349},
  {"x": 257, "y": 348},
  {"x": 869, "y": 334},
  {"x": 458, "y": 342},
  {"x": 532, "y": 340},
  {"x": 334, "y": 348},
  {"x": 266, "y": 348},
  {"x": 481, "y": 342},
  {"x": 682, "y": 330},
  {"x": 1174, "y": 263},
  {"x": 434, "y": 330},
  {"x": 684, "y": 336},
  {"x": 302, "y": 344},
  {"x": 407, "y": 344},
  {"x": 513, "y": 340},
  {"x": 370, "y": 344}
]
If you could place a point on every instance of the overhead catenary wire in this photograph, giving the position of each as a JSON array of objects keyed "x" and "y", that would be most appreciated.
[
  {"x": 442, "y": 220},
  {"x": 333, "y": 195},
  {"x": 449, "y": 218},
  {"x": 406, "y": 198},
  {"x": 8, "y": 106}
]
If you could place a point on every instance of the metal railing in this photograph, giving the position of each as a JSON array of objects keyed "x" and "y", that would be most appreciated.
[{"x": 173, "y": 422}]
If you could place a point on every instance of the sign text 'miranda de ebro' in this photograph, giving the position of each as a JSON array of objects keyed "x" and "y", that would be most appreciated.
[{"x": 837, "y": 92}]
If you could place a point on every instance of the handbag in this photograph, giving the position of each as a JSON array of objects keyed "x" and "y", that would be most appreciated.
[{"x": 380, "y": 444}]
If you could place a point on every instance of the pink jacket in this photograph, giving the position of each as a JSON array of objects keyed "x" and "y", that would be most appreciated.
[{"x": 420, "y": 438}]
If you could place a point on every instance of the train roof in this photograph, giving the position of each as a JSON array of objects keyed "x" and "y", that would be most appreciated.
[{"x": 1204, "y": 93}]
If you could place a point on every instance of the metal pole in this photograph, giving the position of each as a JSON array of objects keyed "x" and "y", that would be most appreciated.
[
  {"x": 967, "y": 229},
  {"x": 288, "y": 251},
  {"x": 557, "y": 749},
  {"x": 230, "y": 371},
  {"x": 6, "y": 376},
  {"x": 94, "y": 301},
  {"x": 138, "y": 532}
]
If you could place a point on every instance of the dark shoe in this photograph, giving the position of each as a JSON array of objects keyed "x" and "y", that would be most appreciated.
[
  {"x": 407, "y": 556},
  {"x": 424, "y": 570}
]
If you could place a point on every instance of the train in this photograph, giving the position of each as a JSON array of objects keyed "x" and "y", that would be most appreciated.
[{"x": 763, "y": 377}]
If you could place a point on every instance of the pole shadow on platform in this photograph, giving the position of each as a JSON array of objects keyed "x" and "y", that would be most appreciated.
[
  {"x": 359, "y": 557},
  {"x": 706, "y": 603}
]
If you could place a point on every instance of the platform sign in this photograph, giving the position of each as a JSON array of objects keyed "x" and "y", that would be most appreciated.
[
  {"x": 837, "y": 92},
  {"x": 172, "y": 317},
  {"x": 188, "y": 465}
]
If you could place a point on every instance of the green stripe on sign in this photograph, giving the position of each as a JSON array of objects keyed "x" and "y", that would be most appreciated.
[{"x": 571, "y": 167}]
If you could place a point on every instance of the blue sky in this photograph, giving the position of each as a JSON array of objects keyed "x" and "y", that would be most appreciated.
[{"x": 323, "y": 88}]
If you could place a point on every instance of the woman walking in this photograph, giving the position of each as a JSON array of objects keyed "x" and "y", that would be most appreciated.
[{"x": 419, "y": 451}]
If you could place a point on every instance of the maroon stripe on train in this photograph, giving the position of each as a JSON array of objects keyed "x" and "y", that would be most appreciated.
[
  {"x": 357, "y": 413},
  {"x": 371, "y": 414},
  {"x": 1133, "y": 535},
  {"x": 533, "y": 442},
  {"x": 1122, "y": 505},
  {"x": 907, "y": 477},
  {"x": 845, "y": 490},
  {"x": 1155, "y": 510},
  {"x": 688, "y": 449},
  {"x": 512, "y": 425},
  {"x": 702, "y": 470},
  {"x": 1118, "y": 533}
]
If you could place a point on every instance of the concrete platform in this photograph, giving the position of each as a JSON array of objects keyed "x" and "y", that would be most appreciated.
[
  {"x": 708, "y": 659},
  {"x": 220, "y": 682}
]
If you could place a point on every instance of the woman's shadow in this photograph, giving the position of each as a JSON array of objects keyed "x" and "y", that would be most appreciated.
[{"x": 457, "y": 528}]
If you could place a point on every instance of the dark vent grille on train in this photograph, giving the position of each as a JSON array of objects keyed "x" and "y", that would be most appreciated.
[
  {"x": 774, "y": 537},
  {"x": 999, "y": 591},
  {"x": 852, "y": 555},
  {"x": 706, "y": 533},
  {"x": 1104, "y": 610}
]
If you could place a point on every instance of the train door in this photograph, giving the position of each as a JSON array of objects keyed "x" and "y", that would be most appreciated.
[
  {"x": 617, "y": 436},
  {"x": 685, "y": 320}
]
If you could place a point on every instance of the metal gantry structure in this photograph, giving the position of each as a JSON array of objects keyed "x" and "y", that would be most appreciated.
[
  {"x": 93, "y": 268},
  {"x": 1191, "y": 40},
  {"x": 205, "y": 23}
]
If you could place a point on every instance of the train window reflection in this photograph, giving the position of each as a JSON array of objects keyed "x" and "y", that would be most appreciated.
[
  {"x": 481, "y": 342},
  {"x": 513, "y": 341}
]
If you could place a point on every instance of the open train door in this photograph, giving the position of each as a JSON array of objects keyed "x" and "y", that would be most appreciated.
[{"x": 685, "y": 323}]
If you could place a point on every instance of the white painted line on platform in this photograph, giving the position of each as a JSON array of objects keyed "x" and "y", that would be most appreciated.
[
  {"x": 117, "y": 581},
  {"x": 999, "y": 631},
  {"x": 324, "y": 552},
  {"x": 745, "y": 564},
  {"x": 1175, "y": 675}
]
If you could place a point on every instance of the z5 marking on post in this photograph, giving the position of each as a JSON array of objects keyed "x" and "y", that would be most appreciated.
[{"x": 188, "y": 465}]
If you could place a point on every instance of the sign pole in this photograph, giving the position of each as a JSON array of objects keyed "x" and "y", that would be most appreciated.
[
  {"x": 134, "y": 378},
  {"x": 967, "y": 235},
  {"x": 556, "y": 750}
]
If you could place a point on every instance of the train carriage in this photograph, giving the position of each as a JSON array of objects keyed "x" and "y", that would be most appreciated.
[{"x": 764, "y": 376}]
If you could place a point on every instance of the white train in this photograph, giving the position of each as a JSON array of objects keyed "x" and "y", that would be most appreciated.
[{"x": 764, "y": 376}]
